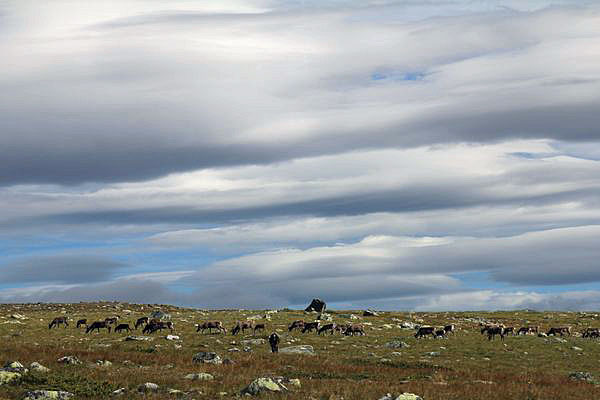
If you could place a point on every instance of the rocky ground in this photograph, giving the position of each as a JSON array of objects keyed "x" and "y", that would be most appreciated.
[{"x": 388, "y": 363}]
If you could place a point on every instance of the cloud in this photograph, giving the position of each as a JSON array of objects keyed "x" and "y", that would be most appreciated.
[
  {"x": 204, "y": 96},
  {"x": 66, "y": 269}
]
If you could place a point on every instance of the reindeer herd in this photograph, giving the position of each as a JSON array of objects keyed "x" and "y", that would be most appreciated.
[{"x": 153, "y": 325}]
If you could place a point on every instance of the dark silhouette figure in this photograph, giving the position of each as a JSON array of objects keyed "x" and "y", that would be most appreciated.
[{"x": 274, "y": 342}]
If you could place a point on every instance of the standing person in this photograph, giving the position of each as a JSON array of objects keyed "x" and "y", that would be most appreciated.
[{"x": 274, "y": 342}]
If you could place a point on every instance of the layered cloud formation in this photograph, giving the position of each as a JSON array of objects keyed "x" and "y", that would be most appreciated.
[{"x": 396, "y": 154}]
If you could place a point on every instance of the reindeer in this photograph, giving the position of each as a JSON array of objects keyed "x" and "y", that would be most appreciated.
[
  {"x": 526, "y": 330},
  {"x": 97, "y": 325},
  {"x": 495, "y": 330},
  {"x": 560, "y": 330},
  {"x": 591, "y": 332},
  {"x": 449, "y": 329},
  {"x": 57, "y": 321},
  {"x": 140, "y": 322},
  {"x": 440, "y": 333},
  {"x": 354, "y": 330},
  {"x": 258, "y": 327},
  {"x": 299, "y": 324},
  {"x": 424, "y": 331},
  {"x": 156, "y": 325},
  {"x": 112, "y": 320},
  {"x": 509, "y": 330},
  {"x": 328, "y": 327},
  {"x": 310, "y": 326},
  {"x": 210, "y": 325},
  {"x": 82, "y": 322},
  {"x": 241, "y": 326},
  {"x": 122, "y": 327}
]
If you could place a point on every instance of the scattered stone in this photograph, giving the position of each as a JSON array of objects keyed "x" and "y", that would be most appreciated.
[
  {"x": 36, "y": 366},
  {"x": 433, "y": 353},
  {"x": 581, "y": 376},
  {"x": 18, "y": 316},
  {"x": 403, "y": 396},
  {"x": 148, "y": 387},
  {"x": 482, "y": 382},
  {"x": 72, "y": 360},
  {"x": 261, "y": 385},
  {"x": 302, "y": 349},
  {"x": 207, "y": 357},
  {"x": 255, "y": 342},
  {"x": 48, "y": 394},
  {"x": 396, "y": 344},
  {"x": 201, "y": 376},
  {"x": 160, "y": 315},
  {"x": 172, "y": 337},
  {"x": 103, "y": 363},
  {"x": 119, "y": 392},
  {"x": 576, "y": 348},
  {"x": 138, "y": 338},
  {"x": 176, "y": 392},
  {"x": 233, "y": 350},
  {"x": 370, "y": 313},
  {"x": 542, "y": 334},
  {"x": 408, "y": 325},
  {"x": 324, "y": 317}
]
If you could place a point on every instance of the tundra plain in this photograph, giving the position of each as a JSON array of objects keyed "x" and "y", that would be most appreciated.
[{"x": 466, "y": 365}]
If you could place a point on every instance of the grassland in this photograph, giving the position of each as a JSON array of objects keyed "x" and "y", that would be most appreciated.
[{"x": 464, "y": 366}]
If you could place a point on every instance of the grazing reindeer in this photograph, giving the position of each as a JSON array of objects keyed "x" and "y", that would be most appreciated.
[
  {"x": 155, "y": 325},
  {"x": 509, "y": 330},
  {"x": 440, "y": 333},
  {"x": 354, "y": 330},
  {"x": 57, "y": 321},
  {"x": 141, "y": 322},
  {"x": 310, "y": 326},
  {"x": 424, "y": 331},
  {"x": 560, "y": 330},
  {"x": 591, "y": 332},
  {"x": 241, "y": 326},
  {"x": 449, "y": 329},
  {"x": 526, "y": 330},
  {"x": 122, "y": 327},
  {"x": 112, "y": 320},
  {"x": 328, "y": 327},
  {"x": 258, "y": 327},
  {"x": 495, "y": 330},
  {"x": 210, "y": 325},
  {"x": 82, "y": 322},
  {"x": 299, "y": 324},
  {"x": 97, "y": 325}
]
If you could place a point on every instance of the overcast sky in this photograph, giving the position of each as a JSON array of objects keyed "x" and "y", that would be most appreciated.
[{"x": 423, "y": 155}]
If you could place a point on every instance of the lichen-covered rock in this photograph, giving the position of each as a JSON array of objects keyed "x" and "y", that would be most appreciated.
[
  {"x": 255, "y": 342},
  {"x": 138, "y": 338},
  {"x": 200, "y": 376},
  {"x": 36, "y": 366},
  {"x": 207, "y": 357},
  {"x": 72, "y": 360},
  {"x": 14, "y": 366},
  {"x": 403, "y": 396},
  {"x": 396, "y": 344},
  {"x": 261, "y": 385},
  {"x": 302, "y": 349},
  {"x": 8, "y": 376},
  {"x": 148, "y": 387},
  {"x": 581, "y": 376},
  {"x": 48, "y": 394},
  {"x": 119, "y": 392},
  {"x": 103, "y": 363}
]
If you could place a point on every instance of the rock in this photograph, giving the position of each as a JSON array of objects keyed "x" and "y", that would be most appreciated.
[
  {"x": 207, "y": 357},
  {"x": 370, "y": 313},
  {"x": 48, "y": 394},
  {"x": 36, "y": 366},
  {"x": 18, "y": 316},
  {"x": 172, "y": 337},
  {"x": 317, "y": 305},
  {"x": 160, "y": 315},
  {"x": 324, "y": 317},
  {"x": 482, "y": 382},
  {"x": 7, "y": 376},
  {"x": 176, "y": 392},
  {"x": 403, "y": 396},
  {"x": 103, "y": 363},
  {"x": 560, "y": 340},
  {"x": 542, "y": 334},
  {"x": 581, "y": 376},
  {"x": 233, "y": 350},
  {"x": 302, "y": 349},
  {"x": 14, "y": 366},
  {"x": 576, "y": 348},
  {"x": 228, "y": 361},
  {"x": 261, "y": 385},
  {"x": 254, "y": 317},
  {"x": 387, "y": 326},
  {"x": 138, "y": 338},
  {"x": 407, "y": 325},
  {"x": 433, "y": 353},
  {"x": 255, "y": 342},
  {"x": 119, "y": 392},
  {"x": 148, "y": 387},
  {"x": 72, "y": 360},
  {"x": 201, "y": 376},
  {"x": 396, "y": 344}
]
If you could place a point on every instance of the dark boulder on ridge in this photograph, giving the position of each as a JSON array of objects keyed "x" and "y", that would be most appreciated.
[{"x": 317, "y": 305}]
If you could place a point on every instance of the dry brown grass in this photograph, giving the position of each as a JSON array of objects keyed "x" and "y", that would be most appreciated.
[{"x": 520, "y": 368}]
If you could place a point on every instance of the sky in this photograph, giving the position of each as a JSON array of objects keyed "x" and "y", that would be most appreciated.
[{"x": 398, "y": 155}]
